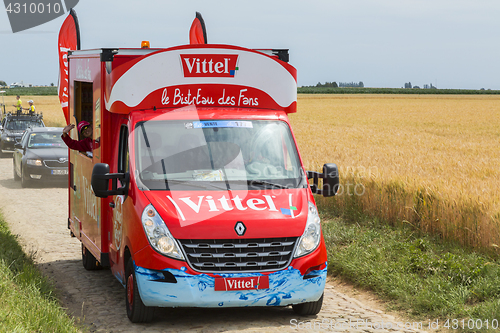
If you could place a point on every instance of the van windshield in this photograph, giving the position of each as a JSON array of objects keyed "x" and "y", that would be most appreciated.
[{"x": 220, "y": 154}]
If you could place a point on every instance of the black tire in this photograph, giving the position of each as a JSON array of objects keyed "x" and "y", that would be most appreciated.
[
  {"x": 2, "y": 154},
  {"x": 25, "y": 182},
  {"x": 309, "y": 308},
  {"x": 137, "y": 312},
  {"x": 89, "y": 261},
  {"x": 16, "y": 177}
]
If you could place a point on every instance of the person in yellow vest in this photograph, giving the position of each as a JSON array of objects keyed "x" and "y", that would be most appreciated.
[
  {"x": 19, "y": 105},
  {"x": 31, "y": 108}
]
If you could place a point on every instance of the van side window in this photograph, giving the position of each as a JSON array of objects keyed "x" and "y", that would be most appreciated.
[{"x": 123, "y": 156}]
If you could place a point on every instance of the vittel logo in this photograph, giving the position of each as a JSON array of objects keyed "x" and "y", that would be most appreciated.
[
  {"x": 203, "y": 204},
  {"x": 209, "y": 65}
]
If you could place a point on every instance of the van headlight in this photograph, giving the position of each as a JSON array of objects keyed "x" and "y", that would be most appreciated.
[
  {"x": 158, "y": 234},
  {"x": 311, "y": 237}
]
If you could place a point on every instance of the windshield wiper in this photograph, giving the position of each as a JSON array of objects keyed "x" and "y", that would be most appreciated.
[{"x": 263, "y": 182}]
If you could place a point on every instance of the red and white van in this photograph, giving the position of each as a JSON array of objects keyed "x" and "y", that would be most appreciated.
[{"x": 195, "y": 194}]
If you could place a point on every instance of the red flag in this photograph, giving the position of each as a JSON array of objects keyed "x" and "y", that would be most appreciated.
[
  {"x": 198, "y": 32},
  {"x": 69, "y": 39}
]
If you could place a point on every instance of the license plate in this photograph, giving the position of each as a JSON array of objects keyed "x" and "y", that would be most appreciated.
[
  {"x": 59, "y": 172},
  {"x": 244, "y": 283}
]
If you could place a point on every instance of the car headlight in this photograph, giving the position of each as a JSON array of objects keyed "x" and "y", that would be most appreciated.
[
  {"x": 34, "y": 162},
  {"x": 311, "y": 237},
  {"x": 9, "y": 139},
  {"x": 158, "y": 234}
]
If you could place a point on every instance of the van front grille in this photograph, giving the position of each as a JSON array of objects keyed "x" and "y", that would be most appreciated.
[{"x": 238, "y": 255}]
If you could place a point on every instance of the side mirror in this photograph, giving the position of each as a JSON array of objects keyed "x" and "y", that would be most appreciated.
[
  {"x": 330, "y": 178},
  {"x": 100, "y": 181}
]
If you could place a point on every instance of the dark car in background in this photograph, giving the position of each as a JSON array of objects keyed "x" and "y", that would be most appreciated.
[
  {"x": 12, "y": 128},
  {"x": 41, "y": 156}
]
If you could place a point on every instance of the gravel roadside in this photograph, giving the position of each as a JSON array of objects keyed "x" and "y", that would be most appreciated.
[{"x": 96, "y": 299}]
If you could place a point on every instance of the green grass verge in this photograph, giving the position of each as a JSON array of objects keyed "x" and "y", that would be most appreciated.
[
  {"x": 27, "y": 302},
  {"x": 418, "y": 274}
]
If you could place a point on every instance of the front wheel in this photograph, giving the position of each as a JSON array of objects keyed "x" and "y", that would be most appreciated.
[
  {"x": 2, "y": 154},
  {"x": 137, "y": 312},
  {"x": 308, "y": 308},
  {"x": 16, "y": 177},
  {"x": 25, "y": 182}
]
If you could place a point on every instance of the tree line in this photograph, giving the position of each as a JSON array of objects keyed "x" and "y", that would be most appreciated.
[{"x": 334, "y": 84}]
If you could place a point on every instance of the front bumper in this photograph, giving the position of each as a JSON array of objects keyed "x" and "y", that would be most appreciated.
[{"x": 286, "y": 287}]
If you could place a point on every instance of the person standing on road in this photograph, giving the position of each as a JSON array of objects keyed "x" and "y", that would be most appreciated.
[
  {"x": 31, "y": 109},
  {"x": 19, "y": 105},
  {"x": 85, "y": 144}
]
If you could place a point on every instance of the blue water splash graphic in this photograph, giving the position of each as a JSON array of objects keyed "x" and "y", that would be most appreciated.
[{"x": 285, "y": 287}]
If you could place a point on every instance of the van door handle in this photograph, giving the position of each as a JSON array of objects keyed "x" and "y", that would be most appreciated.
[{"x": 112, "y": 205}]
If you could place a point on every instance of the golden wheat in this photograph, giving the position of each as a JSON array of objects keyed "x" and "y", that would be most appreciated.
[{"x": 430, "y": 160}]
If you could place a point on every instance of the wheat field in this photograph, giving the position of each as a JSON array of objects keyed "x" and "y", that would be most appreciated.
[
  {"x": 432, "y": 161},
  {"x": 428, "y": 160}
]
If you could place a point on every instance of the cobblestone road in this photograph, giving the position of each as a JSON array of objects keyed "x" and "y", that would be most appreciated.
[{"x": 97, "y": 299}]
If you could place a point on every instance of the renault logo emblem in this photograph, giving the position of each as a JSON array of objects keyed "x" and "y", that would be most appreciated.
[{"x": 240, "y": 228}]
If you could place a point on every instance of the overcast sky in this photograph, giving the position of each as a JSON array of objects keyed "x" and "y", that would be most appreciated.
[{"x": 384, "y": 43}]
